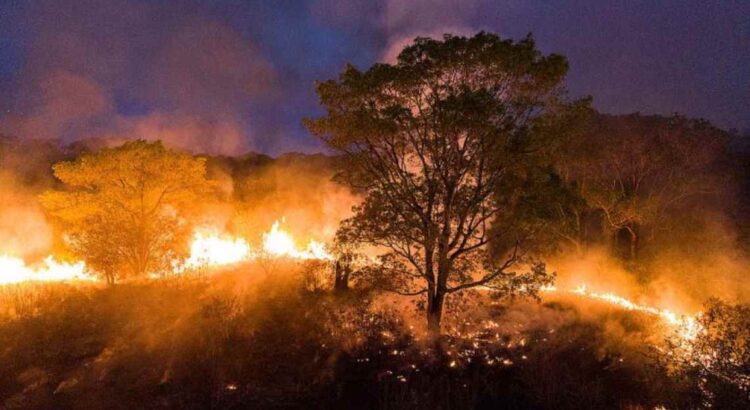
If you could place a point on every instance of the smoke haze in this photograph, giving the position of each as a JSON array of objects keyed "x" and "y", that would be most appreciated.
[
  {"x": 226, "y": 77},
  {"x": 124, "y": 68}
]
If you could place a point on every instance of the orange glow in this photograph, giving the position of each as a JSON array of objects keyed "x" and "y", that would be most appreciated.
[
  {"x": 215, "y": 250},
  {"x": 686, "y": 326},
  {"x": 279, "y": 243},
  {"x": 15, "y": 270}
]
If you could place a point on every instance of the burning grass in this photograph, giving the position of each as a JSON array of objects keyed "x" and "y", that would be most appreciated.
[
  {"x": 261, "y": 335},
  {"x": 247, "y": 318},
  {"x": 249, "y": 337},
  {"x": 209, "y": 249}
]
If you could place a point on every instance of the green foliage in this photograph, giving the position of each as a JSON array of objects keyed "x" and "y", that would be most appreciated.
[
  {"x": 718, "y": 360},
  {"x": 540, "y": 210},
  {"x": 123, "y": 209},
  {"x": 438, "y": 142}
]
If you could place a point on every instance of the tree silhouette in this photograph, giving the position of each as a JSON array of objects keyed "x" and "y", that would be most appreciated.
[{"x": 429, "y": 141}]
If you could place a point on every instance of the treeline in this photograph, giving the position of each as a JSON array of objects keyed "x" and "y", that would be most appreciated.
[
  {"x": 632, "y": 183},
  {"x": 673, "y": 182},
  {"x": 643, "y": 177}
]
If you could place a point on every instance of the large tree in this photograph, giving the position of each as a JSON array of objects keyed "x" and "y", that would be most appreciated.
[
  {"x": 434, "y": 142},
  {"x": 123, "y": 209}
]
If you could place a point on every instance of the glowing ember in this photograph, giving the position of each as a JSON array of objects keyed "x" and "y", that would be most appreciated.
[{"x": 14, "y": 270}]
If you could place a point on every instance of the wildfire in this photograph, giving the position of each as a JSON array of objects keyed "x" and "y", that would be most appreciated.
[
  {"x": 207, "y": 250},
  {"x": 279, "y": 243},
  {"x": 214, "y": 250},
  {"x": 15, "y": 270},
  {"x": 687, "y": 326}
]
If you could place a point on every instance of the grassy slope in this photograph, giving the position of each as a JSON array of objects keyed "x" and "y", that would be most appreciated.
[{"x": 224, "y": 342}]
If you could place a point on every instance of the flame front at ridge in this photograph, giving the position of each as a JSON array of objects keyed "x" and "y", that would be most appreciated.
[
  {"x": 207, "y": 250},
  {"x": 215, "y": 251},
  {"x": 687, "y": 326}
]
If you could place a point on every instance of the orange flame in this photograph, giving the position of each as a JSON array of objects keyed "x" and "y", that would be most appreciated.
[
  {"x": 280, "y": 243},
  {"x": 687, "y": 326},
  {"x": 15, "y": 270},
  {"x": 215, "y": 250},
  {"x": 207, "y": 250}
]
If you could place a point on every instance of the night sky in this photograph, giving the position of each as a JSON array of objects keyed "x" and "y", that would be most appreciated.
[{"x": 230, "y": 76}]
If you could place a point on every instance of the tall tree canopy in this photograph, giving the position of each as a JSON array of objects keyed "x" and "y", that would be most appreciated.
[
  {"x": 435, "y": 141},
  {"x": 122, "y": 209}
]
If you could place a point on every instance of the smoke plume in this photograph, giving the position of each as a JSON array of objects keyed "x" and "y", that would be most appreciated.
[{"x": 131, "y": 69}]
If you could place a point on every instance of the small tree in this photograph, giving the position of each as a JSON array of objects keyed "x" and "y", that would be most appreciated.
[
  {"x": 717, "y": 360},
  {"x": 122, "y": 209},
  {"x": 430, "y": 140}
]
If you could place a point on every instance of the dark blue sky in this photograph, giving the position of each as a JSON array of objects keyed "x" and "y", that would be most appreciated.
[{"x": 225, "y": 76}]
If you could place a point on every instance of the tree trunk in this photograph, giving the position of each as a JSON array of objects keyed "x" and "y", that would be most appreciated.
[
  {"x": 435, "y": 311},
  {"x": 633, "y": 250},
  {"x": 579, "y": 234},
  {"x": 345, "y": 277},
  {"x": 342, "y": 271}
]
